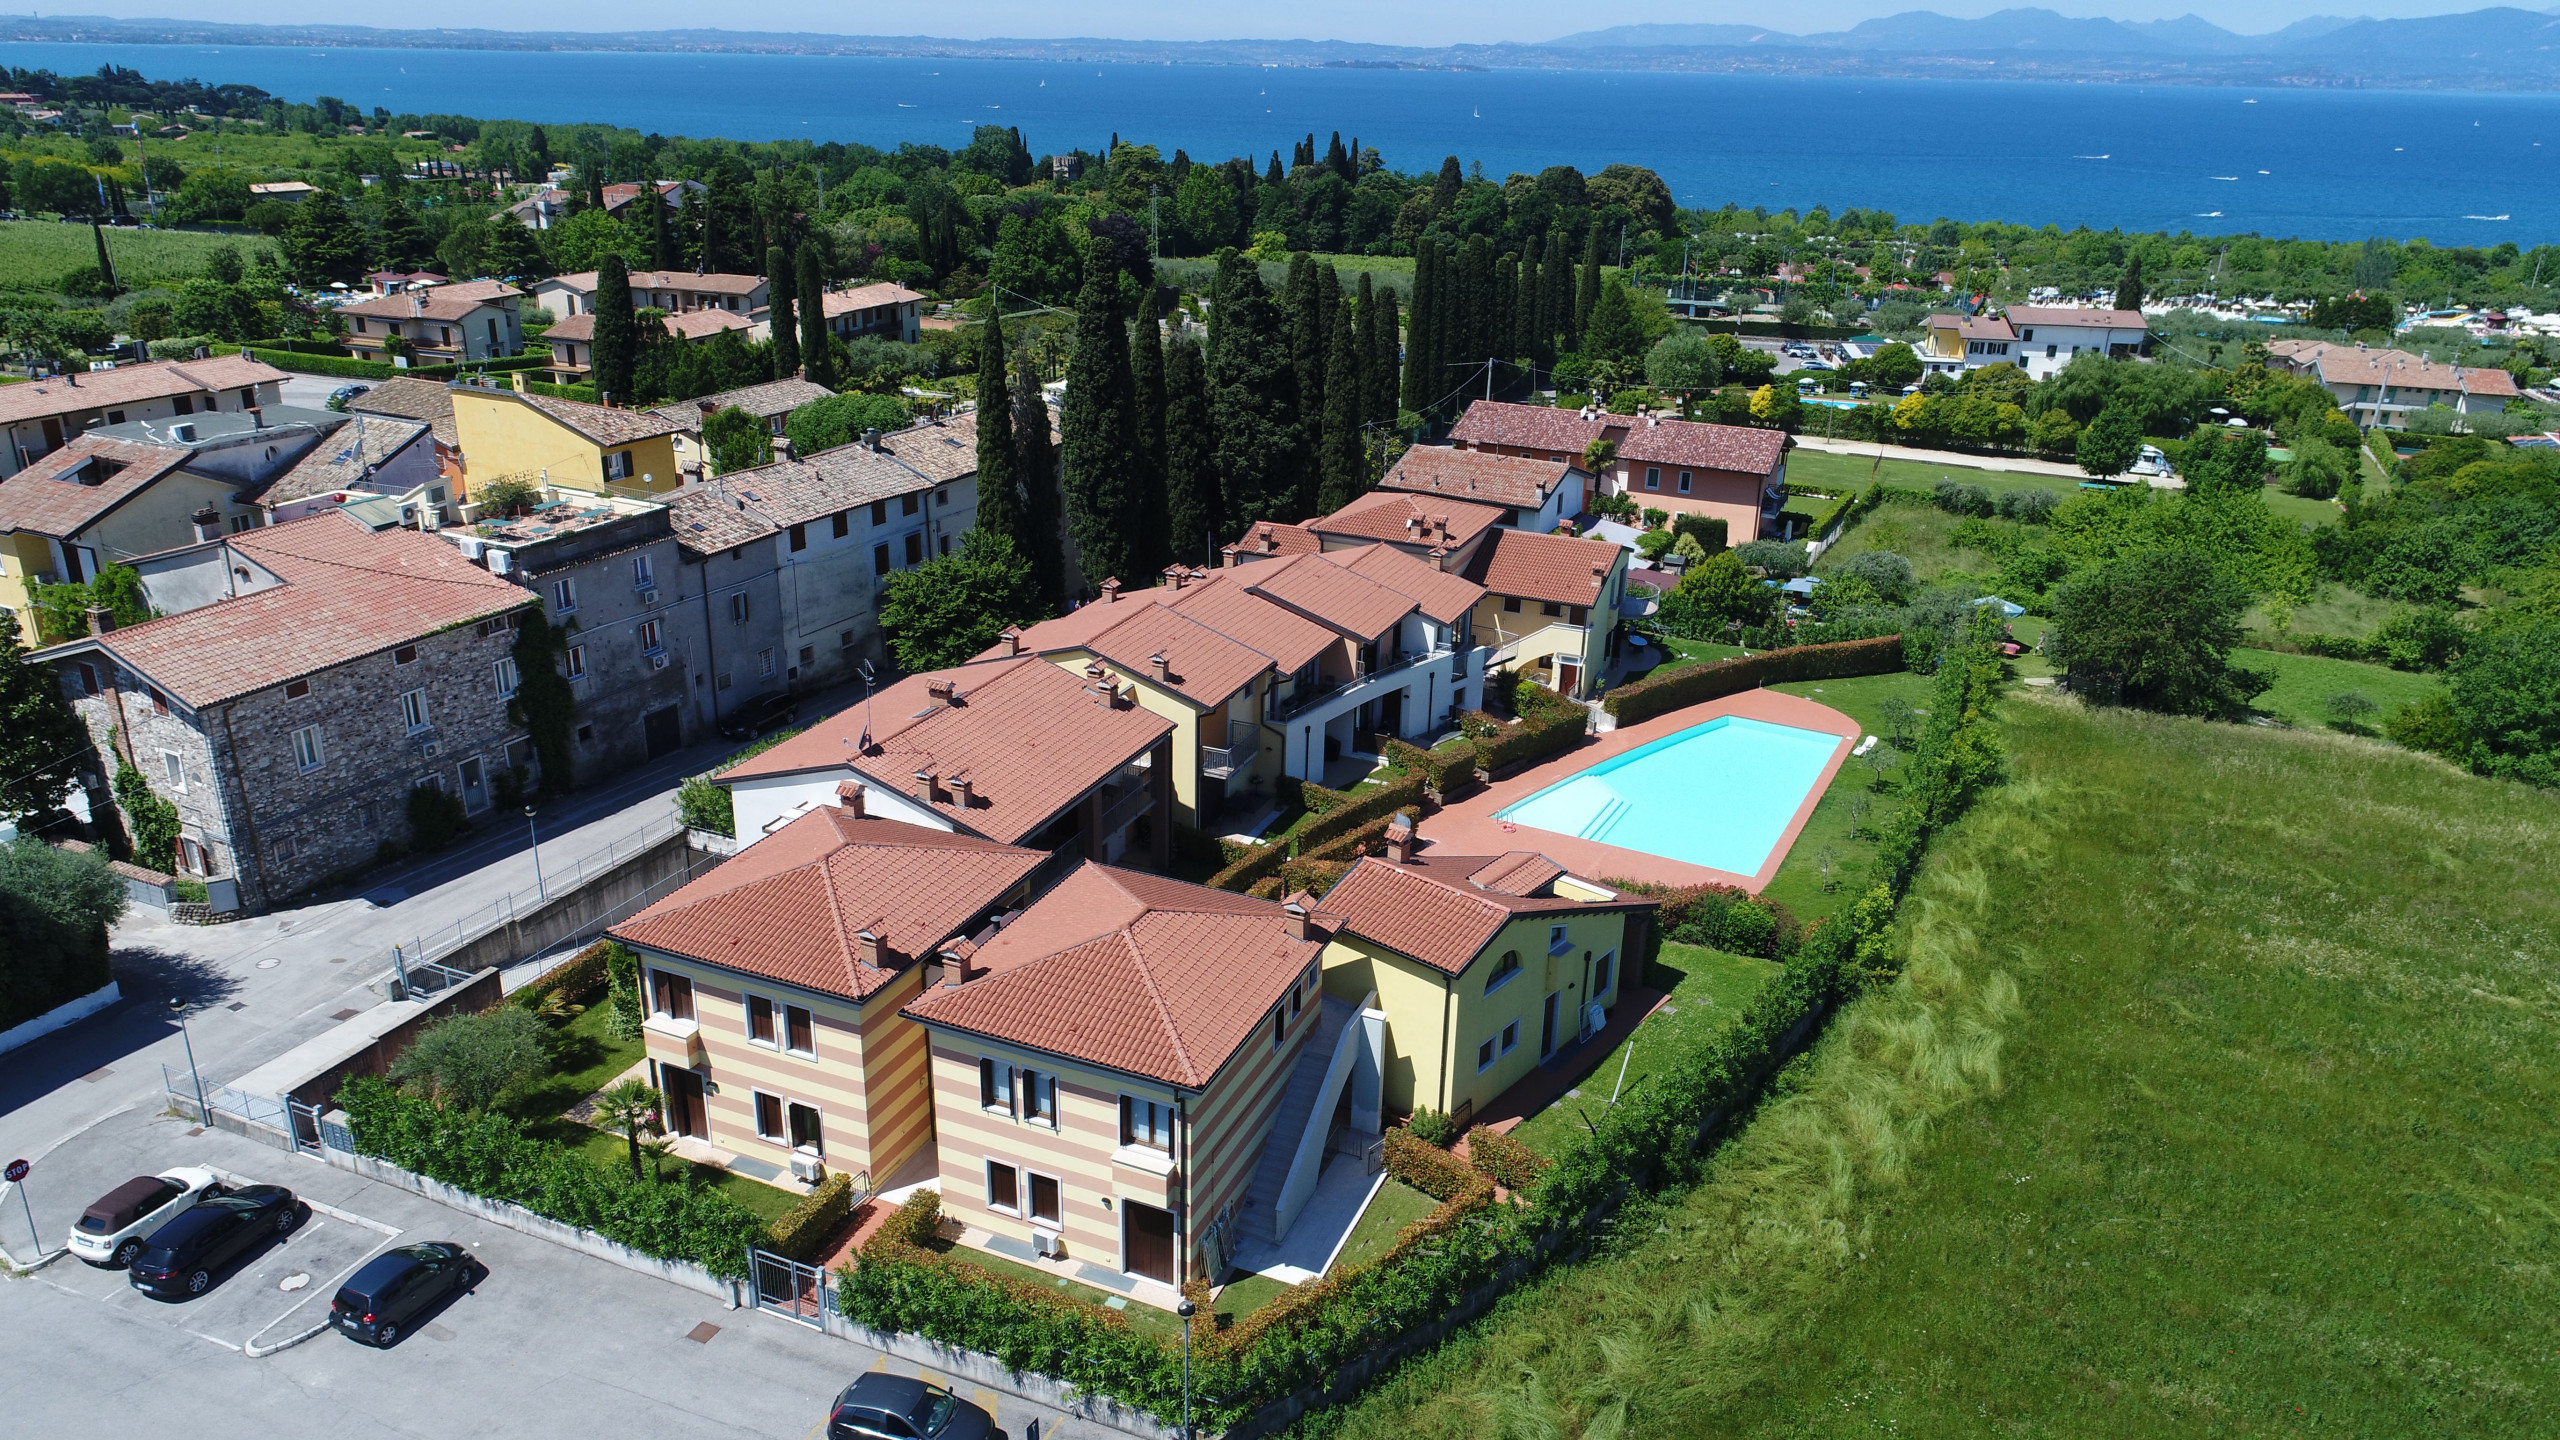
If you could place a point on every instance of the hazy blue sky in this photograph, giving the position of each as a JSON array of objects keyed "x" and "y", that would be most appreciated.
[{"x": 1403, "y": 22}]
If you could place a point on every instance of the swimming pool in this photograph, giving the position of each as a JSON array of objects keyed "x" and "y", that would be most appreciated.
[{"x": 1719, "y": 794}]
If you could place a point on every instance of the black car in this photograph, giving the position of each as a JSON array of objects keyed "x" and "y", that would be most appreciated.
[
  {"x": 753, "y": 717},
  {"x": 881, "y": 1406},
  {"x": 378, "y": 1302},
  {"x": 180, "y": 1257}
]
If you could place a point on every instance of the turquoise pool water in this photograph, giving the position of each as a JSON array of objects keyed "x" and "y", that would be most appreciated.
[{"x": 1719, "y": 794}]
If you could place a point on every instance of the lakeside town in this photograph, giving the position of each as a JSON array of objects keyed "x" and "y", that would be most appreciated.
[{"x": 1149, "y": 796}]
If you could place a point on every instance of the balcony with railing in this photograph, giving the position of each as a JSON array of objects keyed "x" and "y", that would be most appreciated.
[{"x": 1244, "y": 743}]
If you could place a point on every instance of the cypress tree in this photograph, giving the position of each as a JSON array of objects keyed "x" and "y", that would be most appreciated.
[
  {"x": 1037, "y": 467},
  {"x": 1153, "y": 539},
  {"x": 662, "y": 240},
  {"x": 1190, "y": 458},
  {"x": 1444, "y": 190},
  {"x": 1447, "y": 292},
  {"x": 1302, "y": 304},
  {"x": 1384, "y": 361},
  {"x": 1502, "y": 316},
  {"x": 1419, "y": 389},
  {"x": 1094, "y": 435},
  {"x": 785, "y": 324},
  {"x": 1524, "y": 309},
  {"x": 1588, "y": 296},
  {"x": 1555, "y": 297},
  {"x": 1253, "y": 406},
  {"x": 2129, "y": 292},
  {"x": 810, "y": 295},
  {"x": 1337, "y": 159},
  {"x": 1000, "y": 509},
  {"x": 1364, "y": 321},
  {"x": 1341, "y": 465},
  {"x": 617, "y": 332}
]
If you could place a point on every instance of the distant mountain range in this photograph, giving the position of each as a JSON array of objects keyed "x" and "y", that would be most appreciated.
[{"x": 2495, "y": 49}]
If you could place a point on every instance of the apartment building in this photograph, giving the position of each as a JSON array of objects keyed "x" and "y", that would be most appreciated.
[
  {"x": 890, "y": 312},
  {"x": 1734, "y": 472},
  {"x": 1550, "y": 606},
  {"x": 318, "y": 672},
  {"x": 678, "y": 292},
  {"x": 46, "y": 413},
  {"x": 438, "y": 324},
  {"x": 733, "y": 576},
  {"x": 2052, "y": 336},
  {"x": 771, "y": 403},
  {"x": 505, "y": 433},
  {"x": 573, "y": 340},
  {"x": 2385, "y": 387},
  {"x": 1532, "y": 491}
]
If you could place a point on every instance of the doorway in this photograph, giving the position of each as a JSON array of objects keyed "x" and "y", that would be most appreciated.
[
  {"x": 475, "y": 786},
  {"x": 1547, "y": 1027},
  {"x": 1568, "y": 677},
  {"x": 684, "y": 1102},
  {"x": 1146, "y": 1239},
  {"x": 662, "y": 730}
]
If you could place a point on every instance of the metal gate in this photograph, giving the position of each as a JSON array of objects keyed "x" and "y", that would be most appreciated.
[
  {"x": 302, "y": 1122},
  {"x": 788, "y": 1288}
]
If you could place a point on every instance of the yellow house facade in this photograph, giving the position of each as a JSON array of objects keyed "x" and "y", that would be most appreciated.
[
  {"x": 1480, "y": 985},
  {"x": 1550, "y": 608},
  {"x": 565, "y": 443}
]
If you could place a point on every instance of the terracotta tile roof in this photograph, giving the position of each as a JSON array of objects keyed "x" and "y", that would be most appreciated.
[
  {"x": 1440, "y": 910},
  {"x": 793, "y": 906},
  {"x": 805, "y": 487},
  {"x": 2401, "y": 370},
  {"x": 1442, "y": 596},
  {"x": 54, "y": 495},
  {"x": 131, "y": 384},
  {"x": 936, "y": 450},
  {"x": 1027, "y": 736},
  {"x": 2094, "y": 319},
  {"x": 707, "y": 518},
  {"x": 1974, "y": 327},
  {"x": 864, "y": 297},
  {"x": 411, "y": 399},
  {"x": 1137, "y": 973},
  {"x": 348, "y": 592},
  {"x": 1228, "y": 605},
  {"x": 1202, "y": 666},
  {"x": 774, "y": 397},
  {"x": 1478, "y": 475},
  {"x": 717, "y": 283},
  {"x": 1529, "y": 427},
  {"x": 1556, "y": 568},
  {"x": 1358, "y": 607},
  {"x": 580, "y": 327},
  {"x": 1402, "y": 518},
  {"x": 703, "y": 324},
  {"x": 1700, "y": 446},
  {"x": 1269, "y": 540},
  {"x": 341, "y": 461},
  {"x": 600, "y": 423},
  {"x": 437, "y": 302}
]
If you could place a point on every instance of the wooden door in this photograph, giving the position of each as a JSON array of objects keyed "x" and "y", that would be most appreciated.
[
  {"x": 684, "y": 1102},
  {"x": 1147, "y": 1237}
]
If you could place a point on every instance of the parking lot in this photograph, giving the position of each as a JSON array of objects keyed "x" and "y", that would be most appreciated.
[{"x": 549, "y": 1342}]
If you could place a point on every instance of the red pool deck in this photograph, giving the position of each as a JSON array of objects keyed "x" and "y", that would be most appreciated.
[{"x": 1468, "y": 827}]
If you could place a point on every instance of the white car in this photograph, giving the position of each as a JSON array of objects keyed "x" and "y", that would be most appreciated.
[{"x": 112, "y": 1230}]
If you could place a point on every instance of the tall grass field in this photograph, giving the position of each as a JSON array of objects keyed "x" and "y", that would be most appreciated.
[
  {"x": 2215, "y": 1099},
  {"x": 35, "y": 254}
]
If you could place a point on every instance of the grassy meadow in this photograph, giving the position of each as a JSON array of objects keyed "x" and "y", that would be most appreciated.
[
  {"x": 2304, "y": 684},
  {"x": 1708, "y": 990},
  {"x": 2214, "y": 1099},
  {"x": 35, "y": 254}
]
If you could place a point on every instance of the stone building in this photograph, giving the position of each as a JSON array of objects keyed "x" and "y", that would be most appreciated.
[{"x": 289, "y": 721}]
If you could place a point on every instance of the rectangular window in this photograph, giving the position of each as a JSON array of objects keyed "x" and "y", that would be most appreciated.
[
  {"x": 879, "y": 559},
  {"x": 768, "y": 1115},
  {"x": 1510, "y": 604},
  {"x": 806, "y": 1133},
  {"x": 799, "y": 537},
  {"x": 159, "y": 702},
  {"x": 941, "y": 497},
  {"x": 284, "y": 848},
  {"x": 670, "y": 995},
  {"x": 176, "y": 772},
  {"x": 906, "y": 504},
  {"x": 879, "y": 512},
  {"x": 405, "y": 655},
  {"x": 306, "y": 747},
  {"x": 808, "y": 654},
  {"x": 741, "y": 609},
  {"x": 1578, "y": 614},
  {"x": 1684, "y": 482},
  {"x": 945, "y": 542},
  {"x": 1510, "y": 1036},
  {"x": 1040, "y": 1097},
  {"x": 799, "y": 1031},
  {"x": 193, "y": 857},
  {"x": 1600, "y": 975},
  {"x": 505, "y": 674},
  {"x": 643, "y": 574},
  {"x": 1559, "y": 940},
  {"x": 293, "y": 689},
  {"x": 1653, "y": 477},
  {"x": 1045, "y": 1199},
  {"x": 760, "y": 1021},
  {"x": 843, "y": 523},
  {"x": 764, "y": 662},
  {"x": 576, "y": 665},
  {"x": 564, "y": 594},
  {"x": 995, "y": 1085},
  {"x": 1146, "y": 1122},
  {"x": 413, "y": 710},
  {"x": 1550, "y": 609},
  {"x": 1004, "y": 1188},
  {"x": 1484, "y": 1057},
  {"x": 915, "y": 549},
  {"x": 650, "y": 631},
  {"x": 1279, "y": 1027}
]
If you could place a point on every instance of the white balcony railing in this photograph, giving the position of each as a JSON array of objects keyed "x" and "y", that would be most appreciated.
[{"x": 1221, "y": 761}]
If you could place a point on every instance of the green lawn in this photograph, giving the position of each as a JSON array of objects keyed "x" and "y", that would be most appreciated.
[
  {"x": 1925, "y": 536},
  {"x": 1146, "y": 1319},
  {"x": 586, "y": 1057},
  {"x": 1395, "y": 1206},
  {"x": 2294, "y": 507},
  {"x": 1709, "y": 988},
  {"x": 768, "y": 1202},
  {"x": 1798, "y": 885},
  {"x": 1823, "y": 469},
  {"x": 2336, "y": 610},
  {"x": 2304, "y": 683},
  {"x": 2216, "y": 1102},
  {"x": 34, "y": 254}
]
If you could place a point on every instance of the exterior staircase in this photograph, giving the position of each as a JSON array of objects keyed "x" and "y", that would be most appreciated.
[{"x": 1256, "y": 1219}]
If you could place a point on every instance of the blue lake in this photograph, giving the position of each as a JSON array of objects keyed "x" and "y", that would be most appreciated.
[{"x": 2322, "y": 164}]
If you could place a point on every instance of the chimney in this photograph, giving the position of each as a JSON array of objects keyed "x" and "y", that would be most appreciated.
[
  {"x": 708, "y": 408},
  {"x": 257, "y": 418},
  {"x": 938, "y": 690},
  {"x": 1400, "y": 839},
  {"x": 924, "y": 785},
  {"x": 1297, "y": 920},
  {"x": 1162, "y": 666},
  {"x": 1111, "y": 590},
  {"x": 871, "y": 440},
  {"x": 1176, "y": 575},
  {"x": 1012, "y": 638},
  {"x": 781, "y": 447},
  {"x": 101, "y": 620},
  {"x": 956, "y": 970},
  {"x": 961, "y": 792},
  {"x": 208, "y": 523},
  {"x": 868, "y": 949},
  {"x": 417, "y": 305},
  {"x": 849, "y": 795},
  {"x": 516, "y": 381}
]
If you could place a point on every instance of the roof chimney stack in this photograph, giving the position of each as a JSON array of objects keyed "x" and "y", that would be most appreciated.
[
  {"x": 1162, "y": 666},
  {"x": 938, "y": 690},
  {"x": 924, "y": 785},
  {"x": 208, "y": 523},
  {"x": 1012, "y": 638},
  {"x": 1111, "y": 590},
  {"x": 1400, "y": 839},
  {"x": 101, "y": 620},
  {"x": 1298, "y": 924},
  {"x": 960, "y": 791},
  {"x": 868, "y": 949},
  {"x": 849, "y": 795}
]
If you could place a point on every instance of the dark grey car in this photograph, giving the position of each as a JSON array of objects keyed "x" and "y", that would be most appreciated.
[{"x": 881, "y": 1406}]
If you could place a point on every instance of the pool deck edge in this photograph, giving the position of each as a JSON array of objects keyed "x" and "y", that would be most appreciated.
[{"x": 1469, "y": 827}]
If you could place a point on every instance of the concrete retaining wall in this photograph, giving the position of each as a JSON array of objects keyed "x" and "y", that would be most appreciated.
[
  {"x": 375, "y": 1055},
  {"x": 70, "y": 1012},
  {"x": 615, "y": 894}
]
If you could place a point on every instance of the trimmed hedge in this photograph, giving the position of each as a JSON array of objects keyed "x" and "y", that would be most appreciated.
[
  {"x": 332, "y": 365},
  {"x": 579, "y": 981},
  {"x": 1527, "y": 740},
  {"x": 1504, "y": 1161},
  {"x": 1665, "y": 692},
  {"x": 1350, "y": 812},
  {"x": 1426, "y": 1167},
  {"x": 1262, "y": 864},
  {"x": 806, "y": 1226},
  {"x": 1443, "y": 772}
]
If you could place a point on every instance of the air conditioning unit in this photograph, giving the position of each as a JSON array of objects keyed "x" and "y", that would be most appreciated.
[
  {"x": 1049, "y": 1243},
  {"x": 431, "y": 748},
  {"x": 658, "y": 662},
  {"x": 648, "y": 594},
  {"x": 808, "y": 1164}
]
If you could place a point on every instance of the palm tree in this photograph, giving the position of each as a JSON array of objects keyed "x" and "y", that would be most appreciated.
[{"x": 630, "y": 1108}]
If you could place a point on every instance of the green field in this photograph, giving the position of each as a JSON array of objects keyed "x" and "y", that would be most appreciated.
[
  {"x": 34, "y": 254},
  {"x": 2304, "y": 683},
  {"x": 1925, "y": 536},
  {"x": 2336, "y": 610},
  {"x": 1709, "y": 988},
  {"x": 1851, "y": 796},
  {"x": 2215, "y": 1101},
  {"x": 1840, "y": 474}
]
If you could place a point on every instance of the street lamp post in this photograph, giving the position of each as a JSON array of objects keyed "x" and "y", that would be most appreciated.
[
  {"x": 1186, "y": 1310},
  {"x": 536, "y": 836},
  {"x": 178, "y": 1007}
]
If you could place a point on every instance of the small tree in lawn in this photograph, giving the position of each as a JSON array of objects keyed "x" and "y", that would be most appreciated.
[
  {"x": 631, "y": 1110},
  {"x": 2154, "y": 631}
]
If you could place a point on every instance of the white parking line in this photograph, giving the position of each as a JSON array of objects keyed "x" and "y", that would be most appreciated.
[{"x": 255, "y": 1351}]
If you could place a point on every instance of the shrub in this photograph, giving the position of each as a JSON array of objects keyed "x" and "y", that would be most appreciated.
[
  {"x": 1544, "y": 732},
  {"x": 1425, "y": 1166},
  {"x": 1670, "y": 690},
  {"x": 1503, "y": 1160},
  {"x": 1443, "y": 772},
  {"x": 470, "y": 1060},
  {"x": 917, "y": 1222},
  {"x": 2431, "y": 724},
  {"x": 1343, "y": 813},
  {"x": 1883, "y": 571},
  {"x": 55, "y": 907},
  {"x": 1956, "y": 499},
  {"x": 2411, "y": 638},
  {"x": 1243, "y": 874},
  {"x": 808, "y": 1225},
  {"x": 2028, "y": 507},
  {"x": 1708, "y": 530},
  {"x": 1433, "y": 1127},
  {"x": 1780, "y": 559},
  {"x": 706, "y": 806},
  {"x": 436, "y": 819},
  {"x": 579, "y": 980}
]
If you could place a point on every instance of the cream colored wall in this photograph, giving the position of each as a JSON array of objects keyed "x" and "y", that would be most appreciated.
[
  {"x": 1186, "y": 729},
  {"x": 159, "y": 518},
  {"x": 1419, "y": 1008},
  {"x": 22, "y": 557},
  {"x": 501, "y": 437}
]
